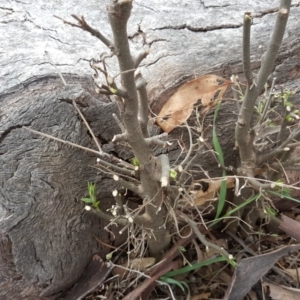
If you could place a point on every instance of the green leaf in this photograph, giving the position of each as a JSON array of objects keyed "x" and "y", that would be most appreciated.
[
  {"x": 173, "y": 281},
  {"x": 173, "y": 174},
  {"x": 92, "y": 189},
  {"x": 182, "y": 249},
  {"x": 109, "y": 256},
  {"x": 87, "y": 200},
  {"x": 135, "y": 162},
  {"x": 92, "y": 193},
  {"x": 97, "y": 205},
  {"x": 271, "y": 212},
  {"x": 114, "y": 91}
]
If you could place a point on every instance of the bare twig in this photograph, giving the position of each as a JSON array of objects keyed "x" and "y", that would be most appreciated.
[
  {"x": 120, "y": 199},
  {"x": 128, "y": 185},
  {"x": 61, "y": 141},
  {"x": 123, "y": 137},
  {"x": 191, "y": 148},
  {"x": 82, "y": 24},
  {"x": 141, "y": 56},
  {"x": 165, "y": 170},
  {"x": 113, "y": 168},
  {"x": 202, "y": 239},
  {"x": 246, "y": 47},
  {"x": 56, "y": 68},
  {"x": 243, "y": 138},
  {"x": 190, "y": 164},
  {"x": 107, "y": 164},
  {"x": 267, "y": 104},
  {"x": 156, "y": 140},
  {"x": 121, "y": 126},
  {"x": 143, "y": 104},
  {"x": 88, "y": 127}
]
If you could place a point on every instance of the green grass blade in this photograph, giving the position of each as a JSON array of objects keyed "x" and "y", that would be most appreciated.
[
  {"x": 220, "y": 156},
  {"x": 216, "y": 143},
  {"x": 173, "y": 281},
  {"x": 251, "y": 199},
  {"x": 193, "y": 267},
  {"x": 283, "y": 196}
]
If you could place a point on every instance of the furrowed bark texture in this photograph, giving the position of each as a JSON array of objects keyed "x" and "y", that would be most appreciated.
[{"x": 46, "y": 239}]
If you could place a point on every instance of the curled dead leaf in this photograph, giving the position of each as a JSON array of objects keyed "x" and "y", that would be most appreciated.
[
  {"x": 209, "y": 89},
  {"x": 208, "y": 193},
  {"x": 141, "y": 264}
]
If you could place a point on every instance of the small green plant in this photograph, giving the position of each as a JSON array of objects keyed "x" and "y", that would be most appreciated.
[
  {"x": 135, "y": 162},
  {"x": 173, "y": 174},
  {"x": 92, "y": 196}
]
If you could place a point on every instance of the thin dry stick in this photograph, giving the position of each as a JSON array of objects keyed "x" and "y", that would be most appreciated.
[
  {"x": 88, "y": 127},
  {"x": 186, "y": 159},
  {"x": 107, "y": 164},
  {"x": 62, "y": 141},
  {"x": 202, "y": 239},
  {"x": 56, "y": 68}
]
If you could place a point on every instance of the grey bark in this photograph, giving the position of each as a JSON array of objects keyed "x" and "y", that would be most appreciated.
[{"x": 46, "y": 238}]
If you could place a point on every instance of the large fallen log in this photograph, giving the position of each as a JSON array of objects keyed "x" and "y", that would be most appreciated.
[{"x": 46, "y": 237}]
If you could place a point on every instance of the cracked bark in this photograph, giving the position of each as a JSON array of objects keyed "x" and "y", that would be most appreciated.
[{"x": 42, "y": 181}]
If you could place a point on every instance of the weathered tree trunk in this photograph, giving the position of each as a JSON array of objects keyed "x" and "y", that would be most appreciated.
[{"x": 46, "y": 239}]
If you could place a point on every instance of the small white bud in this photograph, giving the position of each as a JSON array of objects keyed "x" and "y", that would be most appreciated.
[
  {"x": 286, "y": 149},
  {"x": 230, "y": 256},
  {"x": 98, "y": 160},
  {"x": 115, "y": 193},
  {"x": 116, "y": 178},
  {"x": 288, "y": 108},
  {"x": 130, "y": 219},
  {"x": 87, "y": 207}
]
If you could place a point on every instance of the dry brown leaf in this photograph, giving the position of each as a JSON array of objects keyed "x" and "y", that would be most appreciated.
[
  {"x": 294, "y": 273},
  {"x": 140, "y": 264},
  {"x": 94, "y": 275},
  {"x": 279, "y": 292},
  {"x": 201, "y": 197},
  {"x": 250, "y": 270},
  {"x": 209, "y": 89},
  {"x": 202, "y": 296},
  {"x": 290, "y": 227},
  {"x": 252, "y": 295}
]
